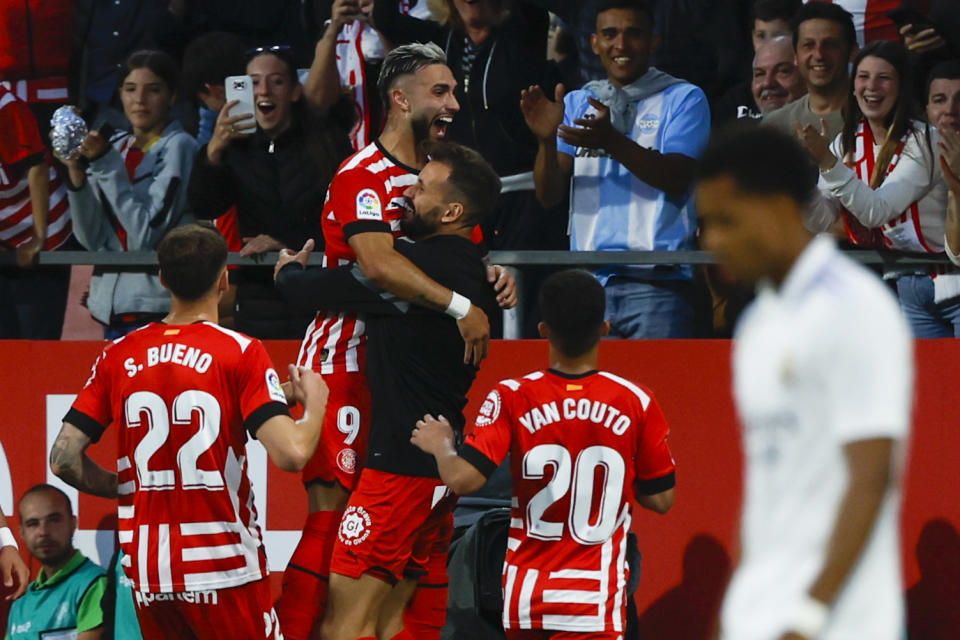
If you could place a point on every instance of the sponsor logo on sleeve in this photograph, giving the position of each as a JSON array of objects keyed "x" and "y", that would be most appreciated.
[
  {"x": 489, "y": 410},
  {"x": 368, "y": 205},
  {"x": 274, "y": 388}
]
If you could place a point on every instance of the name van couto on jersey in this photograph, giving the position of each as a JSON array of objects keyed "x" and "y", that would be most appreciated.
[{"x": 576, "y": 409}]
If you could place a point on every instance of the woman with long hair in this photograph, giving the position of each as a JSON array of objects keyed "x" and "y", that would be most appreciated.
[
  {"x": 881, "y": 178},
  {"x": 132, "y": 190}
]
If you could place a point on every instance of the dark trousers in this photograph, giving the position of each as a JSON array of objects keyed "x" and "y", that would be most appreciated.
[{"x": 33, "y": 302}]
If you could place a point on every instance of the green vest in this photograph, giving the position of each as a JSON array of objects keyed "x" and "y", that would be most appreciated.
[
  {"x": 125, "y": 623},
  {"x": 54, "y": 604}
]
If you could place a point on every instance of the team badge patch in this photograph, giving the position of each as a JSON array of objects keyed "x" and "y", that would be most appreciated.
[
  {"x": 274, "y": 388},
  {"x": 649, "y": 122},
  {"x": 368, "y": 205},
  {"x": 347, "y": 460},
  {"x": 489, "y": 410},
  {"x": 354, "y": 526}
]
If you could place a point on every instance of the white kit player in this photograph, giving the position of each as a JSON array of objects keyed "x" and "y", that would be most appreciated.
[
  {"x": 182, "y": 396},
  {"x": 584, "y": 443},
  {"x": 822, "y": 379}
]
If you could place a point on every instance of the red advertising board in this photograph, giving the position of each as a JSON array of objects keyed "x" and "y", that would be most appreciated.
[{"x": 687, "y": 554}]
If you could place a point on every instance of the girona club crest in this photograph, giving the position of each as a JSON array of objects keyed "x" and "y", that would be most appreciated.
[
  {"x": 354, "y": 526},
  {"x": 489, "y": 410},
  {"x": 347, "y": 460}
]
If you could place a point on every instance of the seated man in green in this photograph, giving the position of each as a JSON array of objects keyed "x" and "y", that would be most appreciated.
[{"x": 64, "y": 601}]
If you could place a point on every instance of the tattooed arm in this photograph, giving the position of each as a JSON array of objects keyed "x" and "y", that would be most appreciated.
[{"x": 70, "y": 462}]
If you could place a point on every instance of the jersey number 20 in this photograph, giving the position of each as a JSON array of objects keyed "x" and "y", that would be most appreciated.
[{"x": 581, "y": 475}]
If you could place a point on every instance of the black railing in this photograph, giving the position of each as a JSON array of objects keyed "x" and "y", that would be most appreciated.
[{"x": 134, "y": 259}]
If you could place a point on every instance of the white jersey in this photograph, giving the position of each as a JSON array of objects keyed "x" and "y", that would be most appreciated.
[{"x": 824, "y": 361}]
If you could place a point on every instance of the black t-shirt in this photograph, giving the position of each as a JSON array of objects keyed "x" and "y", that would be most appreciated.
[{"x": 414, "y": 355}]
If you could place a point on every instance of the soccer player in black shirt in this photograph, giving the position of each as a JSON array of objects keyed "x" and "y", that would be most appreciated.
[{"x": 398, "y": 522}]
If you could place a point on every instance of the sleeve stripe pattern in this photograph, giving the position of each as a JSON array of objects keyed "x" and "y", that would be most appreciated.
[
  {"x": 637, "y": 391},
  {"x": 359, "y": 157}
]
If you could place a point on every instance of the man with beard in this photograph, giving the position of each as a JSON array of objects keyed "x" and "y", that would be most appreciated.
[
  {"x": 66, "y": 595},
  {"x": 396, "y": 527},
  {"x": 361, "y": 218}
]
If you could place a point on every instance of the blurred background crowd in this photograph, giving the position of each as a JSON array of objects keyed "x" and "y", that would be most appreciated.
[{"x": 872, "y": 87}]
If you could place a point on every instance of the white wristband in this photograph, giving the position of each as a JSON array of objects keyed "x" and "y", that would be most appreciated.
[
  {"x": 7, "y": 539},
  {"x": 459, "y": 306},
  {"x": 809, "y": 617}
]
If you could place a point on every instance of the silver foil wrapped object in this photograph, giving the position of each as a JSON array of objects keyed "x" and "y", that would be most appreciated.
[{"x": 68, "y": 132}]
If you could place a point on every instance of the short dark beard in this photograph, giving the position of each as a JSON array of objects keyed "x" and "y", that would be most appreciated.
[
  {"x": 421, "y": 130},
  {"x": 418, "y": 228},
  {"x": 60, "y": 559}
]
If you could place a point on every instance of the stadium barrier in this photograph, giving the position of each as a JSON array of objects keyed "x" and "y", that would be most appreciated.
[{"x": 516, "y": 260}]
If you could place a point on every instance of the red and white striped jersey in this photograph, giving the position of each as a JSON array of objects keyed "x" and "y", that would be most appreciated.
[
  {"x": 366, "y": 194},
  {"x": 183, "y": 399},
  {"x": 20, "y": 149},
  {"x": 580, "y": 446}
]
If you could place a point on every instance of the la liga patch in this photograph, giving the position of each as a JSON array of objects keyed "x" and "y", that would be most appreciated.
[
  {"x": 368, "y": 205},
  {"x": 274, "y": 388}
]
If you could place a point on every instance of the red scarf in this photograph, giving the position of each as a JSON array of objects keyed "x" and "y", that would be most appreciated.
[{"x": 863, "y": 163}]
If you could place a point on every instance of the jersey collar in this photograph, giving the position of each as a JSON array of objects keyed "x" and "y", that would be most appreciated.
[
  {"x": 572, "y": 376},
  {"x": 389, "y": 157}
]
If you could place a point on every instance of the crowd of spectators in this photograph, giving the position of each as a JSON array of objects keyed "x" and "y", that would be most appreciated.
[{"x": 593, "y": 113}]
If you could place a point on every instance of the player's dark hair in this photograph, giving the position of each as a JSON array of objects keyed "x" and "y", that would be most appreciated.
[
  {"x": 42, "y": 488},
  {"x": 191, "y": 258},
  {"x": 825, "y": 10},
  {"x": 572, "y": 305},
  {"x": 761, "y": 160},
  {"x": 472, "y": 181},
  {"x": 160, "y": 63},
  {"x": 946, "y": 70},
  {"x": 406, "y": 60},
  {"x": 645, "y": 7},
  {"x": 770, "y": 10},
  {"x": 210, "y": 59}
]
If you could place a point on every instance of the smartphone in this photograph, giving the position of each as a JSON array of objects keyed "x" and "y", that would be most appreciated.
[
  {"x": 903, "y": 16},
  {"x": 241, "y": 88}
]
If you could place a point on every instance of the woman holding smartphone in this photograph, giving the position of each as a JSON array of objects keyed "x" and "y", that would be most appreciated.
[
  {"x": 272, "y": 160},
  {"x": 881, "y": 177},
  {"x": 132, "y": 191}
]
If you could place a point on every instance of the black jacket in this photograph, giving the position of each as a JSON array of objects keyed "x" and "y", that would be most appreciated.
[{"x": 277, "y": 185}]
